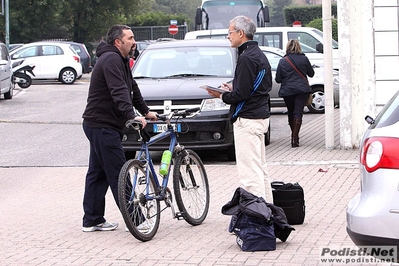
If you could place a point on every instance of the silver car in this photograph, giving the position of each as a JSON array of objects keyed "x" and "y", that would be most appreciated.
[{"x": 373, "y": 215}]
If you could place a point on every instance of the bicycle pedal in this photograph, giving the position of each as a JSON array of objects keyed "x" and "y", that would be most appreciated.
[{"x": 179, "y": 216}]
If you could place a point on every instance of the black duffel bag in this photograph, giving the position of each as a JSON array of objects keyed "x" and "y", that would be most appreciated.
[{"x": 290, "y": 197}]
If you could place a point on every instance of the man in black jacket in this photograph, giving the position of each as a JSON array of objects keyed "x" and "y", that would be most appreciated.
[
  {"x": 248, "y": 97},
  {"x": 112, "y": 95}
]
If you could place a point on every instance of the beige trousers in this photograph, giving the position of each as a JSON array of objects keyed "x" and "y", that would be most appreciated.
[{"x": 249, "y": 139}]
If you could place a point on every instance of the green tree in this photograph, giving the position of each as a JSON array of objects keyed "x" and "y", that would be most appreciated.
[
  {"x": 318, "y": 24},
  {"x": 180, "y": 8},
  {"x": 37, "y": 20},
  {"x": 86, "y": 20},
  {"x": 92, "y": 18},
  {"x": 276, "y": 9}
]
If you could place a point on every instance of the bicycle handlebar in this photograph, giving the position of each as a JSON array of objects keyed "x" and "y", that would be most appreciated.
[
  {"x": 137, "y": 125},
  {"x": 183, "y": 113}
]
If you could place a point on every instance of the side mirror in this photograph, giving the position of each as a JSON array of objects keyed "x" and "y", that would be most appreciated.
[
  {"x": 198, "y": 16},
  {"x": 319, "y": 47},
  {"x": 369, "y": 120},
  {"x": 266, "y": 15}
]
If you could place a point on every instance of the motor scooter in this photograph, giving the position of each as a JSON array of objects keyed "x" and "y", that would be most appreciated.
[{"x": 20, "y": 74}]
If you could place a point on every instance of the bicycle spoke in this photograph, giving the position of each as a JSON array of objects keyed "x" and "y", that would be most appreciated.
[
  {"x": 191, "y": 188},
  {"x": 137, "y": 200}
]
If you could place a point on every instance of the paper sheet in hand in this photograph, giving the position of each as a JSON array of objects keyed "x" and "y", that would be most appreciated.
[{"x": 213, "y": 88}]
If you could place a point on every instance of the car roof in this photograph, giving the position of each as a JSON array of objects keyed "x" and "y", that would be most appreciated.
[
  {"x": 205, "y": 43},
  {"x": 188, "y": 43},
  {"x": 258, "y": 30},
  {"x": 272, "y": 49},
  {"x": 41, "y": 43}
]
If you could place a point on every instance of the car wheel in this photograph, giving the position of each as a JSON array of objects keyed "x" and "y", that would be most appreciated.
[
  {"x": 8, "y": 95},
  {"x": 318, "y": 103},
  {"x": 67, "y": 76},
  {"x": 231, "y": 153}
]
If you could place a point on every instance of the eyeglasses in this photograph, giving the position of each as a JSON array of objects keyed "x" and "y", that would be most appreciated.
[{"x": 231, "y": 31}]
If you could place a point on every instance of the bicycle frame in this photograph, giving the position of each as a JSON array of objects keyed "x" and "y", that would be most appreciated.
[{"x": 145, "y": 148}]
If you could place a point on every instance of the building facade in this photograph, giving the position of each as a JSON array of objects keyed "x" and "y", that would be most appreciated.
[{"x": 369, "y": 62}]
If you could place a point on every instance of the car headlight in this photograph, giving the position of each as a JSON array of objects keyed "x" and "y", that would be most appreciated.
[{"x": 214, "y": 104}]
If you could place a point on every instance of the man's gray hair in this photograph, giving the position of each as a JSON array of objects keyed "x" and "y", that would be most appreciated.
[
  {"x": 245, "y": 24},
  {"x": 116, "y": 32}
]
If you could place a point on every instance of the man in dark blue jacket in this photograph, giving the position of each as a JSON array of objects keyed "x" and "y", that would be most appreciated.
[
  {"x": 248, "y": 97},
  {"x": 112, "y": 95}
]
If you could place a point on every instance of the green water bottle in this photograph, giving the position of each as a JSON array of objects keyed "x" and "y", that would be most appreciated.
[{"x": 165, "y": 162}]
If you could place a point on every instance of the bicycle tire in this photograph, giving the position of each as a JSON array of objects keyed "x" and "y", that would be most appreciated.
[
  {"x": 139, "y": 212},
  {"x": 192, "y": 201}
]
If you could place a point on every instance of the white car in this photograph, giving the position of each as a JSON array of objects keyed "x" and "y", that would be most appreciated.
[
  {"x": 52, "y": 60},
  {"x": 6, "y": 84}
]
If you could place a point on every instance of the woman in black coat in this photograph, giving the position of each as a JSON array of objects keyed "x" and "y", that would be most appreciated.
[{"x": 291, "y": 73}]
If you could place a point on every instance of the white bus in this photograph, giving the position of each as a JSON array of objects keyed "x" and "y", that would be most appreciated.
[{"x": 216, "y": 14}]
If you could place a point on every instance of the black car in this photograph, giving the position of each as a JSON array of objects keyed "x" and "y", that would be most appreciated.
[
  {"x": 169, "y": 75},
  {"x": 85, "y": 58}
]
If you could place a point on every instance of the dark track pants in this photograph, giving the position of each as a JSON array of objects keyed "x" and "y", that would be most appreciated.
[{"x": 105, "y": 162}]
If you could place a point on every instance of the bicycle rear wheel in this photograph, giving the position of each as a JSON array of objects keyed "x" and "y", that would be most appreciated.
[
  {"x": 139, "y": 208},
  {"x": 191, "y": 188}
]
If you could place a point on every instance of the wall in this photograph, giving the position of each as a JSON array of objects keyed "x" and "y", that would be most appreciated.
[
  {"x": 369, "y": 62},
  {"x": 386, "y": 37}
]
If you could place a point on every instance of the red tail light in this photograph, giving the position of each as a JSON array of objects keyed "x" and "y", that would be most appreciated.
[
  {"x": 380, "y": 152},
  {"x": 77, "y": 58}
]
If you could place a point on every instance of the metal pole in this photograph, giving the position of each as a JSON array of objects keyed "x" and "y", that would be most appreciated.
[
  {"x": 328, "y": 75},
  {"x": 7, "y": 17}
]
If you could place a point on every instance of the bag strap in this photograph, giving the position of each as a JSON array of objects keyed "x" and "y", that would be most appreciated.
[{"x": 296, "y": 69}]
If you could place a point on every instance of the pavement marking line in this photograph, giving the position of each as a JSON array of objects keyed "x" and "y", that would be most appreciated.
[{"x": 343, "y": 164}]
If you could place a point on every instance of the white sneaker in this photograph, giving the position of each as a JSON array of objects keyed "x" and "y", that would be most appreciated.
[
  {"x": 106, "y": 226},
  {"x": 144, "y": 227}
]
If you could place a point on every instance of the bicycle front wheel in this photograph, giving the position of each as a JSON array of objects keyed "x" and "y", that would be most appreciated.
[
  {"x": 137, "y": 203},
  {"x": 191, "y": 188}
]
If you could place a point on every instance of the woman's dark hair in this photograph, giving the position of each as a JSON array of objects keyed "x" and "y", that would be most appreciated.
[{"x": 116, "y": 32}]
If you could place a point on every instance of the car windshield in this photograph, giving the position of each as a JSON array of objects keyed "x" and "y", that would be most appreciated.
[
  {"x": 389, "y": 115},
  {"x": 185, "y": 61},
  {"x": 320, "y": 33}
]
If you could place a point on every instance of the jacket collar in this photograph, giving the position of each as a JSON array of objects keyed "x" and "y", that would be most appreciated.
[{"x": 244, "y": 46}]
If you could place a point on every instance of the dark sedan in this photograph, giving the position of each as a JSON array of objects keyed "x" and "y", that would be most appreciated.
[{"x": 169, "y": 75}]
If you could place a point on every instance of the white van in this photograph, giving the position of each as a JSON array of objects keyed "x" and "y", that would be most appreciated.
[{"x": 311, "y": 40}]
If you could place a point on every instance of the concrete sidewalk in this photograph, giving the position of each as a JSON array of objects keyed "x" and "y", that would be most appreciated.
[{"x": 41, "y": 210}]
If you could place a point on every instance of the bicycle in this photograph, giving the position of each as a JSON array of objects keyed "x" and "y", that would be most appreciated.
[{"x": 140, "y": 191}]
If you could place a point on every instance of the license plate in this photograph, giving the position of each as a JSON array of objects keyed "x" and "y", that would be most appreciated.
[{"x": 158, "y": 128}]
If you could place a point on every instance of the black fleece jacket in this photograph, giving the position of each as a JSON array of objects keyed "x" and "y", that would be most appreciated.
[
  {"x": 112, "y": 91},
  {"x": 252, "y": 71}
]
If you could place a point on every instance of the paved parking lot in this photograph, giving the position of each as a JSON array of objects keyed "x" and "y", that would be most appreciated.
[{"x": 41, "y": 210}]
